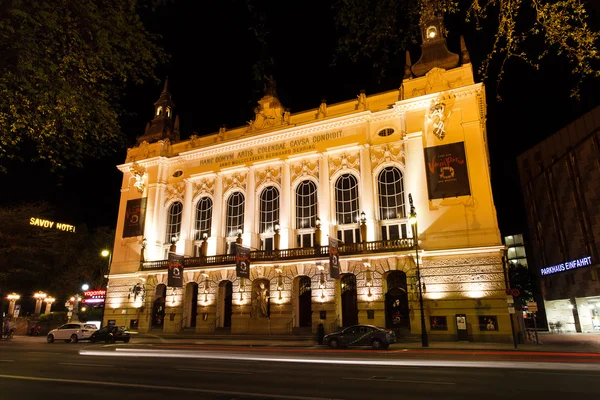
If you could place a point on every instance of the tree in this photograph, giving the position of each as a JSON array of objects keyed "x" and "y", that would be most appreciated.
[
  {"x": 527, "y": 30},
  {"x": 520, "y": 278},
  {"x": 63, "y": 66}
]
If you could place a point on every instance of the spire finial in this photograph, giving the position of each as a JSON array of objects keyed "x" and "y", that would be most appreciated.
[
  {"x": 407, "y": 71},
  {"x": 166, "y": 87}
]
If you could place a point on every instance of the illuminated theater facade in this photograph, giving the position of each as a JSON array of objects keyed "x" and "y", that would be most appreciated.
[{"x": 284, "y": 184}]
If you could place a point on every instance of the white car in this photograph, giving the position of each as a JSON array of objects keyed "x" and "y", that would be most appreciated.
[{"x": 72, "y": 332}]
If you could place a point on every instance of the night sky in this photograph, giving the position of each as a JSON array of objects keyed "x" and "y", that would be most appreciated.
[{"x": 210, "y": 76}]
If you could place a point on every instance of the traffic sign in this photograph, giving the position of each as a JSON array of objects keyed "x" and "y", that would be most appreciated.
[
  {"x": 508, "y": 292},
  {"x": 516, "y": 292},
  {"x": 532, "y": 306}
]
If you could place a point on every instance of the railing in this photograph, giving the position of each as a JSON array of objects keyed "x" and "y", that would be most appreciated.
[{"x": 380, "y": 246}]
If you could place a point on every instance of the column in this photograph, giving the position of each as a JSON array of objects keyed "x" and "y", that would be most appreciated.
[
  {"x": 249, "y": 235},
  {"x": 284, "y": 208},
  {"x": 216, "y": 245},
  {"x": 367, "y": 203},
  {"x": 324, "y": 199},
  {"x": 186, "y": 236}
]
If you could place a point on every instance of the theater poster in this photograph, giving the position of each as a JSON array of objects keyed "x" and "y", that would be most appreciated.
[
  {"x": 242, "y": 262},
  {"x": 135, "y": 217},
  {"x": 175, "y": 276},
  {"x": 334, "y": 258},
  {"x": 447, "y": 174}
]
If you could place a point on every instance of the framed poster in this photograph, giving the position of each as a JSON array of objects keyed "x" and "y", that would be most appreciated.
[
  {"x": 488, "y": 323},
  {"x": 446, "y": 170},
  {"x": 438, "y": 323},
  {"x": 135, "y": 217}
]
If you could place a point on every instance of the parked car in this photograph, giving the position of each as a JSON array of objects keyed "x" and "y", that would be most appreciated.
[
  {"x": 111, "y": 334},
  {"x": 72, "y": 332},
  {"x": 361, "y": 335}
]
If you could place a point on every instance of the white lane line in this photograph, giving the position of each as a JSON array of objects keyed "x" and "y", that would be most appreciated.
[
  {"x": 159, "y": 387},
  {"x": 219, "y": 371},
  {"x": 7, "y": 360},
  {"x": 399, "y": 380},
  {"x": 87, "y": 365},
  {"x": 557, "y": 373},
  {"x": 43, "y": 352}
]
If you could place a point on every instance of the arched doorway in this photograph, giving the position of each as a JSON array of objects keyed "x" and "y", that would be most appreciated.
[
  {"x": 349, "y": 300},
  {"x": 225, "y": 303},
  {"x": 304, "y": 302},
  {"x": 191, "y": 304},
  {"x": 158, "y": 306},
  {"x": 396, "y": 302}
]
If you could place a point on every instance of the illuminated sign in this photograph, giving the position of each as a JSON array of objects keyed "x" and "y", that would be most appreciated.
[
  {"x": 44, "y": 223},
  {"x": 567, "y": 265},
  {"x": 94, "y": 296}
]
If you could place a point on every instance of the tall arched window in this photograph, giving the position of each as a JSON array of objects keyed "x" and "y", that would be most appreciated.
[
  {"x": 174, "y": 221},
  {"x": 391, "y": 194},
  {"x": 235, "y": 213},
  {"x": 203, "y": 217},
  {"x": 269, "y": 209},
  {"x": 306, "y": 205},
  {"x": 346, "y": 199}
]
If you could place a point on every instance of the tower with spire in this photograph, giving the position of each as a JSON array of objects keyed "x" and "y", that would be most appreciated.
[
  {"x": 435, "y": 53},
  {"x": 162, "y": 126}
]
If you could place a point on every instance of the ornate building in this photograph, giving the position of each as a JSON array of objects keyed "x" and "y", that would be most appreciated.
[{"x": 284, "y": 184}]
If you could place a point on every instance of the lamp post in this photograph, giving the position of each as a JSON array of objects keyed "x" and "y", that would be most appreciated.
[
  {"x": 48, "y": 301},
  {"x": 363, "y": 227},
  {"x": 318, "y": 235},
  {"x": 12, "y": 298},
  {"x": 106, "y": 253},
  {"x": 39, "y": 298},
  {"x": 204, "y": 246},
  {"x": 413, "y": 221}
]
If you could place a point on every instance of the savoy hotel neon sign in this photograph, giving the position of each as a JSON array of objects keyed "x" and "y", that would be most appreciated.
[{"x": 44, "y": 223}]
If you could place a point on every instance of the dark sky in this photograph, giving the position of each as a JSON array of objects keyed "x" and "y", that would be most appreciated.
[{"x": 210, "y": 76}]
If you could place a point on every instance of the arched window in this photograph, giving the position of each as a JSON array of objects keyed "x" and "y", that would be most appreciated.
[
  {"x": 174, "y": 221},
  {"x": 269, "y": 209},
  {"x": 346, "y": 199},
  {"x": 203, "y": 217},
  {"x": 391, "y": 194},
  {"x": 235, "y": 213},
  {"x": 306, "y": 205}
]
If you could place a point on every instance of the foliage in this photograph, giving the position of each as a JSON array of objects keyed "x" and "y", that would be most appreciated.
[
  {"x": 59, "y": 316},
  {"x": 90, "y": 314},
  {"x": 378, "y": 29},
  {"x": 63, "y": 66},
  {"x": 520, "y": 278}
]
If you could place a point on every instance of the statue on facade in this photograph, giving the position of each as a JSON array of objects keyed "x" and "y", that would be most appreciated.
[{"x": 260, "y": 308}]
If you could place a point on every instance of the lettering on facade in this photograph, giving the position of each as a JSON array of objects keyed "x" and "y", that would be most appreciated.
[
  {"x": 262, "y": 153},
  {"x": 567, "y": 265},
  {"x": 44, "y": 223}
]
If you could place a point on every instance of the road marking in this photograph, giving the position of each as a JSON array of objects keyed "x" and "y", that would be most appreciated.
[
  {"x": 220, "y": 371},
  {"x": 43, "y": 352},
  {"x": 557, "y": 373},
  {"x": 160, "y": 387},
  {"x": 387, "y": 379},
  {"x": 87, "y": 365}
]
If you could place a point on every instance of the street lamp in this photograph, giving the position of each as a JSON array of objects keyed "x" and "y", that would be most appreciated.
[
  {"x": 85, "y": 287},
  {"x": 106, "y": 253},
  {"x": 48, "y": 301},
  {"x": 413, "y": 222},
  {"x": 39, "y": 298},
  {"x": 13, "y": 297}
]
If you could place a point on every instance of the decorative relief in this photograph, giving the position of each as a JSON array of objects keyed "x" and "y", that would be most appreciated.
[
  {"x": 267, "y": 175},
  {"x": 438, "y": 113},
  {"x": 344, "y": 161},
  {"x": 139, "y": 174},
  {"x": 436, "y": 80},
  {"x": 362, "y": 101},
  {"x": 235, "y": 181},
  {"x": 387, "y": 153},
  {"x": 174, "y": 191},
  {"x": 204, "y": 186},
  {"x": 304, "y": 168},
  {"x": 166, "y": 150},
  {"x": 193, "y": 141}
]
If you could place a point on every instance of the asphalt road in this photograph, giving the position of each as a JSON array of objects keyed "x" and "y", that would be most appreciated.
[{"x": 36, "y": 370}]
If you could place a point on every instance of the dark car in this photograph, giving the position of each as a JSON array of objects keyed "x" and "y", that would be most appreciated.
[
  {"x": 361, "y": 335},
  {"x": 111, "y": 334}
]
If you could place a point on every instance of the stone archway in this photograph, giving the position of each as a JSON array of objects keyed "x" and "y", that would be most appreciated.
[
  {"x": 396, "y": 302},
  {"x": 349, "y": 300},
  {"x": 225, "y": 303},
  {"x": 190, "y": 305},
  {"x": 304, "y": 301},
  {"x": 158, "y": 306}
]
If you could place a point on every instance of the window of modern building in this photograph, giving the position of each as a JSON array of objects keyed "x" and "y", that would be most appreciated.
[
  {"x": 347, "y": 208},
  {"x": 269, "y": 209},
  {"x": 203, "y": 217},
  {"x": 234, "y": 218},
  {"x": 173, "y": 221}
]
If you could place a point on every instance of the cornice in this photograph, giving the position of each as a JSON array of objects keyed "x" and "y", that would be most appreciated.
[
  {"x": 423, "y": 102},
  {"x": 149, "y": 162}
]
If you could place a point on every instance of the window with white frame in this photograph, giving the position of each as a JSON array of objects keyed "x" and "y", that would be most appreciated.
[
  {"x": 234, "y": 218},
  {"x": 203, "y": 217},
  {"x": 306, "y": 213},
  {"x": 391, "y": 194},
  {"x": 346, "y": 199},
  {"x": 269, "y": 209},
  {"x": 173, "y": 221}
]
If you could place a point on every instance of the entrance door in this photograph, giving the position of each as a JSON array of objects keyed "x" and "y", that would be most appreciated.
[
  {"x": 396, "y": 302},
  {"x": 349, "y": 300},
  {"x": 226, "y": 292},
  {"x": 158, "y": 307},
  {"x": 304, "y": 302},
  {"x": 194, "y": 306}
]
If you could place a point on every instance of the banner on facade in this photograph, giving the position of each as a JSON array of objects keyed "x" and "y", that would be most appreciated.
[
  {"x": 175, "y": 276},
  {"x": 135, "y": 217},
  {"x": 334, "y": 258},
  {"x": 447, "y": 174},
  {"x": 242, "y": 261}
]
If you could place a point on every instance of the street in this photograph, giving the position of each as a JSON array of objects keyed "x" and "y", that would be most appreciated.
[{"x": 34, "y": 369}]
